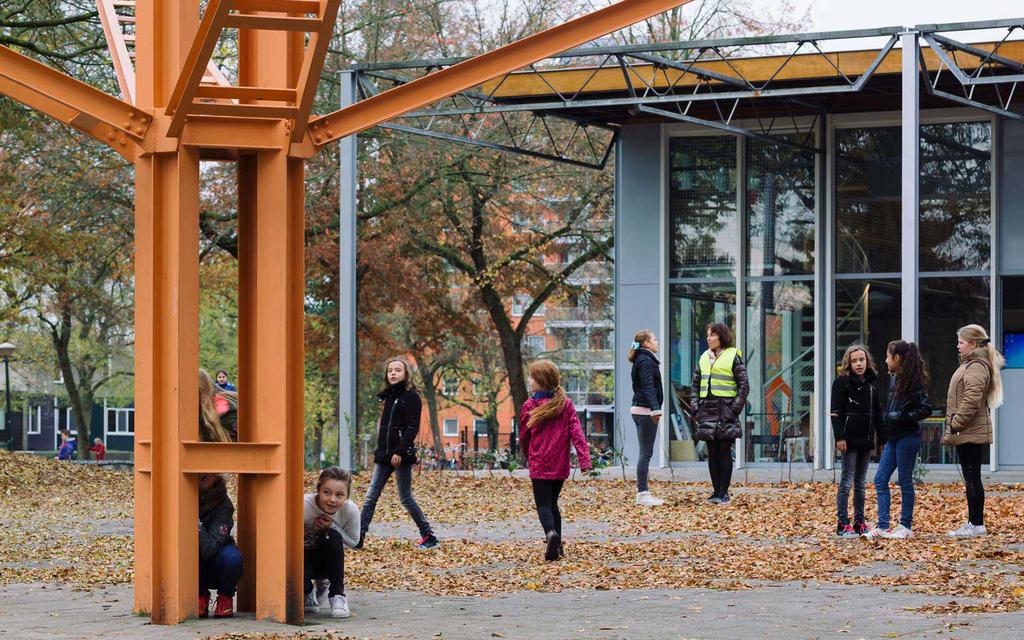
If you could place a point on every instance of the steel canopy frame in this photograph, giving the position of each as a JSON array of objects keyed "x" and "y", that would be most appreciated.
[
  {"x": 669, "y": 79},
  {"x": 262, "y": 124}
]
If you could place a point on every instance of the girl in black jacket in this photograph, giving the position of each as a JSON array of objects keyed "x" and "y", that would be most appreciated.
[
  {"x": 220, "y": 561},
  {"x": 908, "y": 404},
  {"x": 856, "y": 416},
  {"x": 396, "y": 452},
  {"x": 646, "y": 407}
]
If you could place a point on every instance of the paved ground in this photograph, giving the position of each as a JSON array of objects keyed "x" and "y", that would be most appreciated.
[{"x": 788, "y": 610}]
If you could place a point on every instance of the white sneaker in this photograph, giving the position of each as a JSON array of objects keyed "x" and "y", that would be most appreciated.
[
  {"x": 339, "y": 607},
  {"x": 312, "y": 604},
  {"x": 874, "y": 533},
  {"x": 968, "y": 530},
  {"x": 899, "y": 532},
  {"x": 646, "y": 499},
  {"x": 321, "y": 590}
]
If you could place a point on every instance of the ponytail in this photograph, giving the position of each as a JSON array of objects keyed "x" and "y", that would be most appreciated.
[
  {"x": 913, "y": 371},
  {"x": 987, "y": 351},
  {"x": 639, "y": 338}
]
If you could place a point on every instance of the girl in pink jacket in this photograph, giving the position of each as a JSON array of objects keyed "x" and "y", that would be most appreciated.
[{"x": 549, "y": 424}]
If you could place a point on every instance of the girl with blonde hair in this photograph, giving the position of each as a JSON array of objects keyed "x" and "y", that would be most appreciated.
[
  {"x": 646, "y": 412},
  {"x": 856, "y": 416},
  {"x": 211, "y": 428},
  {"x": 974, "y": 390}
]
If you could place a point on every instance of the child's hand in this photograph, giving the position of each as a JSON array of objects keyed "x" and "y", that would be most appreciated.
[{"x": 322, "y": 522}]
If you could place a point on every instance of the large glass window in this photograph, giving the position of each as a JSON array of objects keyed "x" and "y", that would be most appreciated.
[
  {"x": 780, "y": 367},
  {"x": 868, "y": 190},
  {"x": 693, "y": 307},
  {"x": 868, "y": 312},
  {"x": 946, "y": 305},
  {"x": 781, "y": 209},
  {"x": 956, "y": 196},
  {"x": 702, "y": 206}
]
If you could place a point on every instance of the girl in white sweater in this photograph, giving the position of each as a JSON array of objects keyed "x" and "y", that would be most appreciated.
[{"x": 330, "y": 523}]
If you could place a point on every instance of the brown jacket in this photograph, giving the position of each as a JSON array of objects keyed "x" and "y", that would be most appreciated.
[{"x": 968, "y": 418}]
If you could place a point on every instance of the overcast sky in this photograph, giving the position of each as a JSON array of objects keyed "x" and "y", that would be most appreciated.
[{"x": 858, "y": 14}]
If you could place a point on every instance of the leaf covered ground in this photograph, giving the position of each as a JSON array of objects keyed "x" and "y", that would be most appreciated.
[{"x": 72, "y": 524}]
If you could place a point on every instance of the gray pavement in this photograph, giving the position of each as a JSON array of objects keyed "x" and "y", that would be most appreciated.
[{"x": 773, "y": 610}]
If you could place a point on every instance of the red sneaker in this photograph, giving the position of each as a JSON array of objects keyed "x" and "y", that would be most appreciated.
[
  {"x": 224, "y": 607},
  {"x": 204, "y": 606}
]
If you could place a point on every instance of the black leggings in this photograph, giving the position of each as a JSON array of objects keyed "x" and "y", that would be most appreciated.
[
  {"x": 545, "y": 496},
  {"x": 720, "y": 465},
  {"x": 971, "y": 456},
  {"x": 326, "y": 559}
]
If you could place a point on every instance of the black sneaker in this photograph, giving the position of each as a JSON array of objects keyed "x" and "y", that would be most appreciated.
[
  {"x": 427, "y": 542},
  {"x": 723, "y": 499},
  {"x": 713, "y": 498},
  {"x": 359, "y": 545},
  {"x": 561, "y": 550}
]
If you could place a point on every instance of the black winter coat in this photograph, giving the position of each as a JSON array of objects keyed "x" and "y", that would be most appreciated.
[
  {"x": 647, "y": 388},
  {"x": 399, "y": 424},
  {"x": 856, "y": 410},
  {"x": 718, "y": 418},
  {"x": 216, "y": 519},
  {"x": 903, "y": 414}
]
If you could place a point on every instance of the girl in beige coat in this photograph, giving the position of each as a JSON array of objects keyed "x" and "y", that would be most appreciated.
[{"x": 975, "y": 389}]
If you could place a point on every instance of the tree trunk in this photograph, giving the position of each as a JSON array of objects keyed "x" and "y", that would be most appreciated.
[
  {"x": 77, "y": 397},
  {"x": 318, "y": 442},
  {"x": 430, "y": 395}
]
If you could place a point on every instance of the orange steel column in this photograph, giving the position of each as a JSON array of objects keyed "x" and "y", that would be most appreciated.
[
  {"x": 167, "y": 330},
  {"x": 246, "y": 531},
  {"x": 273, "y": 277}
]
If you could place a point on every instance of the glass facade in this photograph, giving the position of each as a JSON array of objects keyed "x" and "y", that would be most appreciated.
[
  {"x": 692, "y": 308},
  {"x": 702, "y": 207},
  {"x": 777, "y": 230}
]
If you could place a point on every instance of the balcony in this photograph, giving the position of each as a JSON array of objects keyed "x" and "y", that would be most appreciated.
[
  {"x": 595, "y": 358},
  {"x": 577, "y": 317}
]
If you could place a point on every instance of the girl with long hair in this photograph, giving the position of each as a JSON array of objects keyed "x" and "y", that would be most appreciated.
[
  {"x": 974, "y": 390},
  {"x": 550, "y": 426},
  {"x": 856, "y": 415},
  {"x": 211, "y": 428},
  {"x": 396, "y": 450},
  {"x": 908, "y": 404},
  {"x": 648, "y": 396}
]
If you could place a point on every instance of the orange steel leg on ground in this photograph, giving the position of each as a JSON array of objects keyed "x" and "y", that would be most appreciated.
[{"x": 183, "y": 111}]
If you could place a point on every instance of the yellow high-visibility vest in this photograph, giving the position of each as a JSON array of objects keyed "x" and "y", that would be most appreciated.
[{"x": 716, "y": 377}]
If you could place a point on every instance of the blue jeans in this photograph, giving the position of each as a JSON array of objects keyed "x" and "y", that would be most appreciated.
[
  {"x": 898, "y": 454},
  {"x": 403, "y": 475},
  {"x": 221, "y": 572}
]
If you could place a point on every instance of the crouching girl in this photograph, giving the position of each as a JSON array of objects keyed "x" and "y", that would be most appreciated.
[
  {"x": 330, "y": 523},
  {"x": 220, "y": 561}
]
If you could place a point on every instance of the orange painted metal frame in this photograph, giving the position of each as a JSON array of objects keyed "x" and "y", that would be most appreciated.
[{"x": 264, "y": 125}]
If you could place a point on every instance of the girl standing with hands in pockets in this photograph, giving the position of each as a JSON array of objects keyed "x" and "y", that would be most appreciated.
[
  {"x": 648, "y": 396},
  {"x": 974, "y": 390},
  {"x": 550, "y": 424},
  {"x": 908, "y": 404}
]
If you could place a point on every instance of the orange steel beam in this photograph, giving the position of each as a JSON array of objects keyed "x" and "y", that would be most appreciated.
[
  {"x": 462, "y": 76},
  {"x": 313, "y": 63},
  {"x": 66, "y": 99},
  {"x": 118, "y": 48},
  {"x": 196, "y": 63}
]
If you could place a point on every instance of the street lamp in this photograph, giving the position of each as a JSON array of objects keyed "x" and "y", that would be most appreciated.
[{"x": 6, "y": 349}]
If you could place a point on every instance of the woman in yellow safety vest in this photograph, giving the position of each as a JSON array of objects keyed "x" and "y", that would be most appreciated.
[{"x": 721, "y": 379}]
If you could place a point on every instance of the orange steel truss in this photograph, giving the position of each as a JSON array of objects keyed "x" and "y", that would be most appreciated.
[{"x": 179, "y": 109}]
